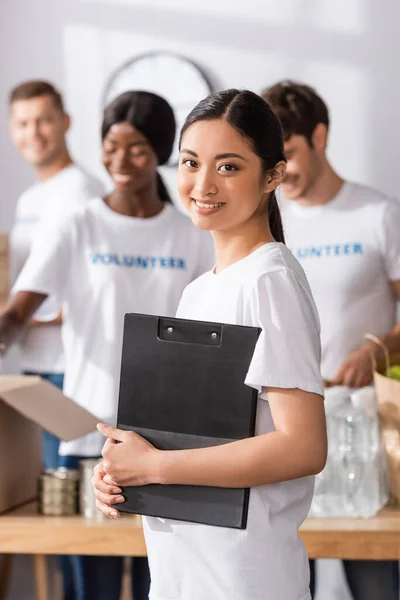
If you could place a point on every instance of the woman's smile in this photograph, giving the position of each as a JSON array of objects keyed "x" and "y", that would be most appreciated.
[{"x": 205, "y": 207}]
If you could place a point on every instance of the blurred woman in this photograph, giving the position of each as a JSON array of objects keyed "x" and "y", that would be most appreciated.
[{"x": 131, "y": 251}]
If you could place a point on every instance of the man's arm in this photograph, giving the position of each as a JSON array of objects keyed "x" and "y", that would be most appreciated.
[
  {"x": 356, "y": 371},
  {"x": 17, "y": 316}
]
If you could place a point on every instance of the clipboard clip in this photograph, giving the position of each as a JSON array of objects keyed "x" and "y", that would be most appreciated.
[{"x": 189, "y": 332}]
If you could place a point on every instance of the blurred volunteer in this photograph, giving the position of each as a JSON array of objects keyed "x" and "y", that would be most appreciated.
[
  {"x": 131, "y": 251},
  {"x": 38, "y": 126},
  {"x": 346, "y": 236}
]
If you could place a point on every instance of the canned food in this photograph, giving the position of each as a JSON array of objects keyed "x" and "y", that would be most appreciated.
[{"x": 58, "y": 491}]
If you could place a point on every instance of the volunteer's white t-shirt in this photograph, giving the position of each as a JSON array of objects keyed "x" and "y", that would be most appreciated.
[
  {"x": 41, "y": 347},
  {"x": 101, "y": 265},
  {"x": 350, "y": 251},
  {"x": 266, "y": 561}
]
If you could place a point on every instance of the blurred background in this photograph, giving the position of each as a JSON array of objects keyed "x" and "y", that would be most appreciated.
[{"x": 346, "y": 49}]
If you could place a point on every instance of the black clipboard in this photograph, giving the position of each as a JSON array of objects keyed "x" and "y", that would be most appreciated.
[{"x": 182, "y": 386}]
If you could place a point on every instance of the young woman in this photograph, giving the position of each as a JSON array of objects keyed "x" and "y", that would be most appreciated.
[
  {"x": 131, "y": 251},
  {"x": 231, "y": 161}
]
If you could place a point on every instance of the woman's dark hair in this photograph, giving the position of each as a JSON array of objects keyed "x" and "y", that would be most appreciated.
[
  {"x": 254, "y": 120},
  {"x": 153, "y": 117}
]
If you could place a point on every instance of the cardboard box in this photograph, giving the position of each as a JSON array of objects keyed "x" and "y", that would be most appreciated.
[
  {"x": 4, "y": 270},
  {"x": 28, "y": 404}
]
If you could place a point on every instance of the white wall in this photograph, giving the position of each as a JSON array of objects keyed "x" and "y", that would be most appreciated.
[{"x": 348, "y": 49}]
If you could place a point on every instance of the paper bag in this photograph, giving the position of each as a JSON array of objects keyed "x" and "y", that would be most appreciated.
[{"x": 388, "y": 397}]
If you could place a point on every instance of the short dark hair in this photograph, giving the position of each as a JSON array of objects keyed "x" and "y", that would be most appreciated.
[
  {"x": 34, "y": 89},
  {"x": 298, "y": 106},
  {"x": 254, "y": 120}
]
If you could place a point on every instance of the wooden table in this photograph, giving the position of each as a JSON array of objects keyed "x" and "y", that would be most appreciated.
[{"x": 23, "y": 531}]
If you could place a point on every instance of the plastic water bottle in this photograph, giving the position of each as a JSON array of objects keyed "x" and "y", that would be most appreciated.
[
  {"x": 358, "y": 458},
  {"x": 327, "y": 499},
  {"x": 352, "y": 457},
  {"x": 376, "y": 481},
  {"x": 354, "y": 482}
]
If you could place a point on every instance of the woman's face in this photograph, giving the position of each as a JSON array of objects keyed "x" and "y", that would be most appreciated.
[
  {"x": 129, "y": 158},
  {"x": 220, "y": 178}
]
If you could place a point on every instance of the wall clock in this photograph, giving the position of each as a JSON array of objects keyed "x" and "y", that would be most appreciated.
[{"x": 174, "y": 77}]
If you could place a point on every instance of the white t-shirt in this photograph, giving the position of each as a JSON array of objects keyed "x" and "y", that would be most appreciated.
[
  {"x": 101, "y": 265},
  {"x": 350, "y": 251},
  {"x": 41, "y": 347},
  {"x": 267, "y": 560}
]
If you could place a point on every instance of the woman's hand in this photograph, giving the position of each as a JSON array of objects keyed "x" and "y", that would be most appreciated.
[
  {"x": 128, "y": 458},
  {"x": 106, "y": 493}
]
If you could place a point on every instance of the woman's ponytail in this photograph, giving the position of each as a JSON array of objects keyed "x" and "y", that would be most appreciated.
[{"x": 275, "y": 219}]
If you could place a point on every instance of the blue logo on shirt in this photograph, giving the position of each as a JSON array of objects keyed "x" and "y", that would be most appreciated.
[
  {"x": 328, "y": 250},
  {"x": 138, "y": 262},
  {"x": 27, "y": 219}
]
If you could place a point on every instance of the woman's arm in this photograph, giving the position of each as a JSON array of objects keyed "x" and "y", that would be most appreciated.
[
  {"x": 17, "y": 315},
  {"x": 297, "y": 448},
  {"x": 48, "y": 270}
]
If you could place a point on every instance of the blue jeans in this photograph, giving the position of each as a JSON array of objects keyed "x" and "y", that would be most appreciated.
[
  {"x": 368, "y": 579},
  {"x": 100, "y": 577},
  {"x": 50, "y": 443}
]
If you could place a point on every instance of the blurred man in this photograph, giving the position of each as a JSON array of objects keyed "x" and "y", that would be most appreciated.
[
  {"x": 346, "y": 237},
  {"x": 38, "y": 126}
]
